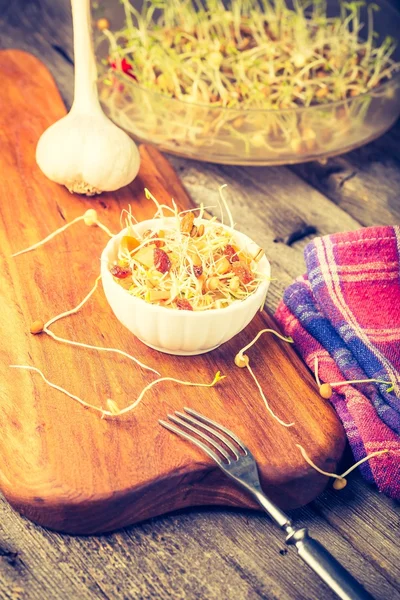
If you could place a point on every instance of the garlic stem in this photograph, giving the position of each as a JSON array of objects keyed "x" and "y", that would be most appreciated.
[
  {"x": 85, "y": 96},
  {"x": 84, "y": 150}
]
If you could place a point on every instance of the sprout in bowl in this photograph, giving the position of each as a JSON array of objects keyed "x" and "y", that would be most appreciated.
[
  {"x": 184, "y": 285},
  {"x": 252, "y": 83}
]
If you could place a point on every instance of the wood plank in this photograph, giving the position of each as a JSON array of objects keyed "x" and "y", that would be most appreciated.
[
  {"x": 365, "y": 183},
  {"x": 43, "y": 28},
  {"x": 156, "y": 559},
  {"x": 367, "y": 521}
]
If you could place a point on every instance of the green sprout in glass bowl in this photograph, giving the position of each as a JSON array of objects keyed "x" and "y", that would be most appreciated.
[{"x": 254, "y": 82}]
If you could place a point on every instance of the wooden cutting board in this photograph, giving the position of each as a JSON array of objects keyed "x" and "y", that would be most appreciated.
[{"x": 61, "y": 465}]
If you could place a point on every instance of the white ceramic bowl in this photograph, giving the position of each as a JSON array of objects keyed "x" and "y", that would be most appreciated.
[{"x": 173, "y": 331}]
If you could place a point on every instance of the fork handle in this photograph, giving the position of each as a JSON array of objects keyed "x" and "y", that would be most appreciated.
[{"x": 326, "y": 566}]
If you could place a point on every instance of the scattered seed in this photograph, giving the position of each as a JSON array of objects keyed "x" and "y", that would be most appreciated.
[
  {"x": 212, "y": 284},
  {"x": 238, "y": 122},
  {"x": 325, "y": 391},
  {"x": 340, "y": 481},
  {"x": 339, "y": 484},
  {"x": 195, "y": 258},
  {"x": 37, "y": 327},
  {"x": 102, "y": 24},
  {"x": 90, "y": 217},
  {"x": 223, "y": 266},
  {"x": 311, "y": 145},
  {"x": 298, "y": 146},
  {"x": 322, "y": 92},
  {"x": 241, "y": 360}
]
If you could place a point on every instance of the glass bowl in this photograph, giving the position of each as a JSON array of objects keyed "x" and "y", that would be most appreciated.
[{"x": 249, "y": 136}]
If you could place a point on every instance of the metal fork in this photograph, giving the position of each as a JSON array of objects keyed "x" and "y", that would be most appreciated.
[{"x": 236, "y": 461}]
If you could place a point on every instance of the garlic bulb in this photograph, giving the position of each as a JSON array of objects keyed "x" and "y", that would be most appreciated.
[{"x": 85, "y": 151}]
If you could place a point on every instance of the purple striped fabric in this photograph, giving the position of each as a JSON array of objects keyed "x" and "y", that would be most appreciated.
[{"x": 346, "y": 312}]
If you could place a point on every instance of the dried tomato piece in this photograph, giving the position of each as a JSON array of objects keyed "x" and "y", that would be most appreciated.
[
  {"x": 161, "y": 260},
  {"x": 231, "y": 253},
  {"x": 183, "y": 304},
  {"x": 197, "y": 270},
  {"x": 243, "y": 272},
  {"x": 120, "y": 272}
]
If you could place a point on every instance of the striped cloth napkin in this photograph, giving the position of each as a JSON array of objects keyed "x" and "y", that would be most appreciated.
[{"x": 346, "y": 312}]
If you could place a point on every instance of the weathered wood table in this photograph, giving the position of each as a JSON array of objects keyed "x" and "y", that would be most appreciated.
[{"x": 219, "y": 554}]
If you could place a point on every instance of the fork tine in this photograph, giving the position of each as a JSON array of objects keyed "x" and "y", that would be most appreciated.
[
  {"x": 207, "y": 421},
  {"x": 205, "y": 437},
  {"x": 191, "y": 438},
  {"x": 218, "y": 435}
]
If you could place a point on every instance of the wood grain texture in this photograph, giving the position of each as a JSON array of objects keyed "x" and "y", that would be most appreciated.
[
  {"x": 211, "y": 554},
  {"x": 365, "y": 183},
  {"x": 65, "y": 468}
]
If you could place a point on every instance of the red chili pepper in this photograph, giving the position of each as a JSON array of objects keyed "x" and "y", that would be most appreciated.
[{"x": 125, "y": 67}]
